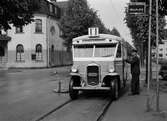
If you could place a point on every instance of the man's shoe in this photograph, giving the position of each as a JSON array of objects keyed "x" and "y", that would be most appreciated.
[
  {"x": 137, "y": 93},
  {"x": 131, "y": 94}
]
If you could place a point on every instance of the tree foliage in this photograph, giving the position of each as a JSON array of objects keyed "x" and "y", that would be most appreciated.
[
  {"x": 78, "y": 19},
  {"x": 115, "y": 32},
  {"x": 138, "y": 25},
  {"x": 163, "y": 7},
  {"x": 17, "y": 12}
]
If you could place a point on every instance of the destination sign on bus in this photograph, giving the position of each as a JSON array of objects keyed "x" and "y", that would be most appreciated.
[
  {"x": 89, "y": 40},
  {"x": 93, "y": 31}
]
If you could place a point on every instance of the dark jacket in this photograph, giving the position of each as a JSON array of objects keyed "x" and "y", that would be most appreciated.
[{"x": 135, "y": 64}]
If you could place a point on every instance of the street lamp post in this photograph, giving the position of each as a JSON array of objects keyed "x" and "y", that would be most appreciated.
[
  {"x": 157, "y": 41},
  {"x": 149, "y": 50}
]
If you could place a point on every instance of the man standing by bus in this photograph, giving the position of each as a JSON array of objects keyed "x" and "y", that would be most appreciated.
[{"x": 135, "y": 72}]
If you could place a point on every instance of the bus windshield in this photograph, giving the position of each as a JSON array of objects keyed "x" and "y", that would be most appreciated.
[
  {"x": 101, "y": 50},
  {"x": 105, "y": 50},
  {"x": 83, "y": 50}
]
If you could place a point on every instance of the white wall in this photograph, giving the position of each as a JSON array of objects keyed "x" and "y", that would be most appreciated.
[
  {"x": 54, "y": 39},
  {"x": 28, "y": 39},
  {"x": 163, "y": 49}
]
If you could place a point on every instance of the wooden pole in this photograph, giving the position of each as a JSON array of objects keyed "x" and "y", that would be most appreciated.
[
  {"x": 149, "y": 48},
  {"x": 157, "y": 41}
]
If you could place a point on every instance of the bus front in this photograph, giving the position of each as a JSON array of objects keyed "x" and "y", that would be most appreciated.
[{"x": 93, "y": 60}]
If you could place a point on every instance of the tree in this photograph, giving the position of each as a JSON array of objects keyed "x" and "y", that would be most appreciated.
[
  {"x": 78, "y": 19},
  {"x": 138, "y": 25},
  {"x": 115, "y": 32},
  {"x": 163, "y": 7},
  {"x": 17, "y": 12}
]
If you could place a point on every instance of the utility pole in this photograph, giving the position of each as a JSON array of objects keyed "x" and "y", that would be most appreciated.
[
  {"x": 149, "y": 52},
  {"x": 157, "y": 41}
]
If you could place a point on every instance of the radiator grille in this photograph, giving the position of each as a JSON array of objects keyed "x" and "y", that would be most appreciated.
[{"x": 93, "y": 75}]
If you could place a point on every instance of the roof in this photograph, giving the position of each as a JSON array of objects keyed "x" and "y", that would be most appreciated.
[
  {"x": 5, "y": 38},
  {"x": 45, "y": 8},
  {"x": 62, "y": 4},
  {"x": 86, "y": 39},
  {"x": 105, "y": 36}
]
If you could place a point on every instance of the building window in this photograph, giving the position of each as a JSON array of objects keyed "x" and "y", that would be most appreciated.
[
  {"x": 19, "y": 53},
  {"x": 38, "y": 51},
  {"x": 161, "y": 49},
  {"x": 19, "y": 29},
  {"x": 61, "y": 33},
  {"x": 52, "y": 48},
  {"x": 51, "y": 8},
  {"x": 52, "y": 30},
  {"x": 55, "y": 11},
  {"x": 153, "y": 54},
  {"x": 38, "y": 26},
  {"x": 2, "y": 51},
  {"x": 160, "y": 55},
  {"x": 52, "y": 53}
]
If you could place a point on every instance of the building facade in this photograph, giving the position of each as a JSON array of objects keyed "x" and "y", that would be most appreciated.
[
  {"x": 162, "y": 48},
  {"x": 4, "y": 39},
  {"x": 38, "y": 44}
]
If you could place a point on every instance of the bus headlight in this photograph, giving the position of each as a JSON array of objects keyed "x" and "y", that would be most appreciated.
[
  {"x": 111, "y": 70},
  {"x": 74, "y": 70}
]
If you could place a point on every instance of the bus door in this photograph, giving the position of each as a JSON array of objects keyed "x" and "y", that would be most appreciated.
[
  {"x": 125, "y": 66},
  {"x": 119, "y": 65}
]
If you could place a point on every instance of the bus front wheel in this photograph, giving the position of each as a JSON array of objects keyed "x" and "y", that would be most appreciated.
[
  {"x": 73, "y": 93},
  {"x": 114, "y": 89}
]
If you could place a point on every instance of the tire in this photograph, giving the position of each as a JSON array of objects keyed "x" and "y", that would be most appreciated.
[
  {"x": 73, "y": 93},
  {"x": 114, "y": 89}
]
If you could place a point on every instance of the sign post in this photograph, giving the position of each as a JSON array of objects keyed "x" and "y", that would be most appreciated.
[
  {"x": 149, "y": 58},
  {"x": 157, "y": 41},
  {"x": 137, "y": 8}
]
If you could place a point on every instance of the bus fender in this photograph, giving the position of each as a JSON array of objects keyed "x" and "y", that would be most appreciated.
[
  {"x": 76, "y": 78},
  {"x": 112, "y": 74},
  {"x": 75, "y": 74}
]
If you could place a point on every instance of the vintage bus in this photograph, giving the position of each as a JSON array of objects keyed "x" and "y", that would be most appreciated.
[{"x": 98, "y": 64}]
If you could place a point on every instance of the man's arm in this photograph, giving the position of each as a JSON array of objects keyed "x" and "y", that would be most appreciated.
[{"x": 131, "y": 60}]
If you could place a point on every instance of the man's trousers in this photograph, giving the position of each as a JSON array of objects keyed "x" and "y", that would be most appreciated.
[{"x": 135, "y": 84}]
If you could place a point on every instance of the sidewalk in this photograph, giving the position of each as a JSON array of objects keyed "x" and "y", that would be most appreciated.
[{"x": 133, "y": 108}]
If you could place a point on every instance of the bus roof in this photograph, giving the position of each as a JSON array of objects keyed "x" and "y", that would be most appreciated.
[{"x": 101, "y": 36}]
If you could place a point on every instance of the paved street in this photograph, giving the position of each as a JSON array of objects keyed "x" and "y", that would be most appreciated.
[
  {"x": 27, "y": 94},
  {"x": 83, "y": 109}
]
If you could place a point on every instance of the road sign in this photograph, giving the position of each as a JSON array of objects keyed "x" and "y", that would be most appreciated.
[{"x": 137, "y": 8}]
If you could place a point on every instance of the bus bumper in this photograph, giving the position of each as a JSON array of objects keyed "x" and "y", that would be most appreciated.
[{"x": 91, "y": 88}]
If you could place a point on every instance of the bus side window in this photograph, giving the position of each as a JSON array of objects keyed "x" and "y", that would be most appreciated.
[
  {"x": 124, "y": 53},
  {"x": 118, "y": 55}
]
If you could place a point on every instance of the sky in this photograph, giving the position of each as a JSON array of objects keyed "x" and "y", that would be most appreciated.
[{"x": 112, "y": 13}]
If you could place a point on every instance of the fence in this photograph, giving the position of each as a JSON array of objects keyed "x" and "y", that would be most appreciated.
[{"x": 60, "y": 58}]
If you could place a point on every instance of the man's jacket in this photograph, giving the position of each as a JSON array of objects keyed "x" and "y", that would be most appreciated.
[{"x": 135, "y": 64}]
